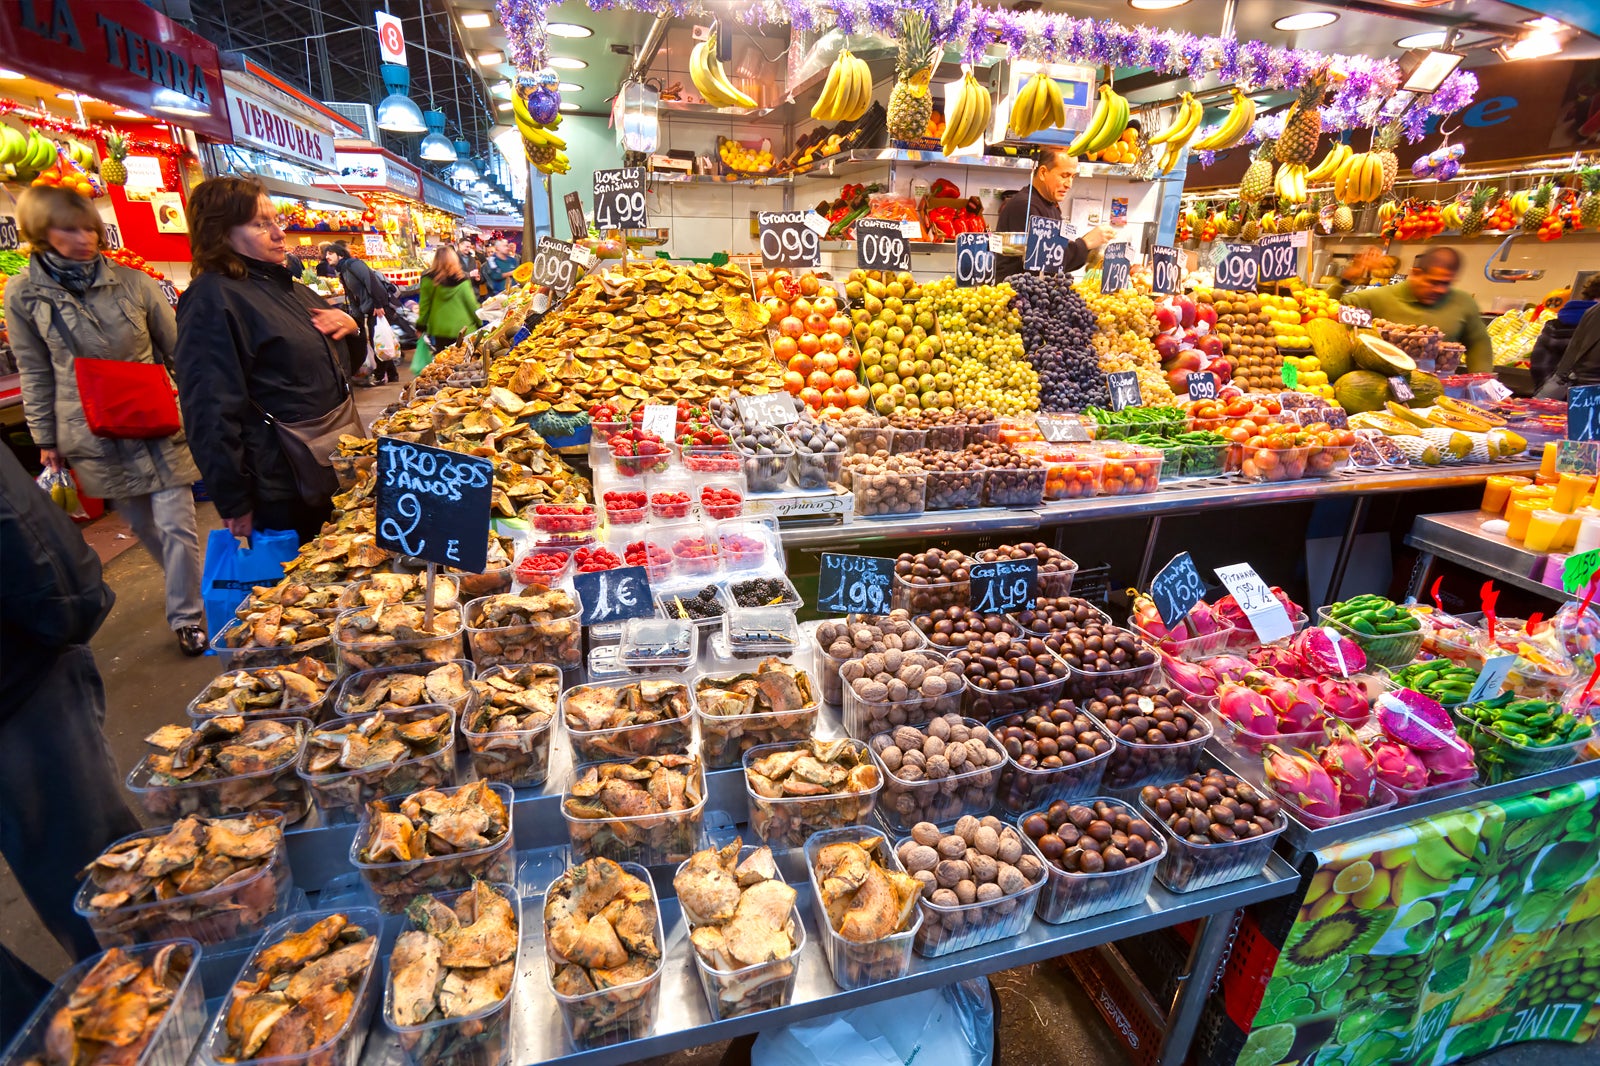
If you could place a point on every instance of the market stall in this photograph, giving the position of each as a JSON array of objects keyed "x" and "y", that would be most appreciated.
[{"x": 393, "y": 225}]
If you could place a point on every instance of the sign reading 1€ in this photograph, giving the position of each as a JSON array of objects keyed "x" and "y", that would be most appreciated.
[{"x": 434, "y": 504}]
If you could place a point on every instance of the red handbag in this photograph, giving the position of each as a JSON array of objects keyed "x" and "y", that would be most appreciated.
[{"x": 126, "y": 399}]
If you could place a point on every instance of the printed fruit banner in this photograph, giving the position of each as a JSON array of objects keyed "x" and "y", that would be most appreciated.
[{"x": 1443, "y": 938}]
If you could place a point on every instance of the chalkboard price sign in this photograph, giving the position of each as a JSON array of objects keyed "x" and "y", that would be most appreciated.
[
  {"x": 553, "y": 265},
  {"x": 854, "y": 584},
  {"x": 1047, "y": 248},
  {"x": 1165, "y": 274},
  {"x": 1401, "y": 389},
  {"x": 881, "y": 245},
  {"x": 619, "y": 199},
  {"x": 786, "y": 240},
  {"x": 974, "y": 261},
  {"x": 434, "y": 504},
  {"x": 613, "y": 595},
  {"x": 1202, "y": 385},
  {"x": 8, "y": 232},
  {"x": 1583, "y": 412},
  {"x": 1280, "y": 259},
  {"x": 575, "y": 220},
  {"x": 1010, "y": 585},
  {"x": 1356, "y": 317},
  {"x": 1124, "y": 388},
  {"x": 1239, "y": 269},
  {"x": 1114, "y": 274},
  {"x": 772, "y": 409},
  {"x": 1177, "y": 589}
]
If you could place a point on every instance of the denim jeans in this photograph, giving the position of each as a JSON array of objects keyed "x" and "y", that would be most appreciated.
[{"x": 165, "y": 524}]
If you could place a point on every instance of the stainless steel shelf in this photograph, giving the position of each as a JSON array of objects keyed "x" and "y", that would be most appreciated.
[
  {"x": 872, "y": 158},
  {"x": 668, "y": 177},
  {"x": 1457, "y": 538}
]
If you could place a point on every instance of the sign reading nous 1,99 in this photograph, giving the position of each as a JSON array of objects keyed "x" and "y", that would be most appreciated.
[{"x": 434, "y": 504}]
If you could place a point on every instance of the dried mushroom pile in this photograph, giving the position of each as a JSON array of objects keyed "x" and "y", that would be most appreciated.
[
  {"x": 457, "y": 962},
  {"x": 741, "y": 915},
  {"x": 650, "y": 717},
  {"x": 433, "y": 823},
  {"x": 398, "y": 689},
  {"x": 233, "y": 755},
  {"x": 864, "y": 900},
  {"x": 507, "y": 730},
  {"x": 600, "y": 932},
  {"x": 613, "y": 809},
  {"x": 268, "y": 690},
  {"x": 740, "y": 711},
  {"x": 115, "y": 1010},
  {"x": 302, "y": 993}
]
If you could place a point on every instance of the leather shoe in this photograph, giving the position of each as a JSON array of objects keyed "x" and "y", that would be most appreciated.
[{"x": 192, "y": 641}]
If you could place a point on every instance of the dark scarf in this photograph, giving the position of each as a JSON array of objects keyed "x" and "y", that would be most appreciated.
[{"x": 74, "y": 275}]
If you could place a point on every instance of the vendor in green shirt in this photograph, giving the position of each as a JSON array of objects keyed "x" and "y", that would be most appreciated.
[{"x": 1425, "y": 298}]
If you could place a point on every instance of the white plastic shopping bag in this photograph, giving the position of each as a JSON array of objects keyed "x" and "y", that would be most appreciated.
[
  {"x": 950, "y": 1026},
  {"x": 385, "y": 342}
]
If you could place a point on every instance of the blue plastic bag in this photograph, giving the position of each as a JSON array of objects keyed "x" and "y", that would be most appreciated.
[{"x": 230, "y": 572}]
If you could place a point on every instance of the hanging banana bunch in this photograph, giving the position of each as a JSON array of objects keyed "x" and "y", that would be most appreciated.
[
  {"x": 1038, "y": 106},
  {"x": 1331, "y": 162},
  {"x": 1110, "y": 118},
  {"x": 848, "y": 91},
  {"x": 969, "y": 115},
  {"x": 1237, "y": 123},
  {"x": 536, "y": 106},
  {"x": 705, "y": 70},
  {"x": 1177, "y": 135}
]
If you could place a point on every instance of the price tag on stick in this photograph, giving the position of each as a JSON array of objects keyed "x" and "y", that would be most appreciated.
[
  {"x": 1165, "y": 274},
  {"x": 786, "y": 240},
  {"x": 614, "y": 595},
  {"x": 661, "y": 419},
  {"x": 881, "y": 245},
  {"x": 1124, "y": 388},
  {"x": 8, "y": 232},
  {"x": 619, "y": 199},
  {"x": 1355, "y": 317},
  {"x": 1267, "y": 615},
  {"x": 1176, "y": 589},
  {"x": 1047, "y": 247},
  {"x": 1491, "y": 678},
  {"x": 1280, "y": 259},
  {"x": 1114, "y": 275},
  {"x": 1011, "y": 585},
  {"x": 1579, "y": 570},
  {"x": 854, "y": 584},
  {"x": 1202, "y": 385},
  {"x": 434, "y": 504},
  {"x": 772, "y": 409},
  {"x": 553, "y": 266},
  {"x": 975, "y": 263}
]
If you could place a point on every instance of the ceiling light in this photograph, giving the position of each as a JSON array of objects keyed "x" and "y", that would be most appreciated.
[
  {"x": 572, "y": 29},
  {"x": 436, "y": 147},
  {"x": 1306, "y": 20},
  {"x": 570, "y": 87},
  {"x": 491, "y": 59},
  {"x": 502, "y": 89},
  {"x": 1543, "y": 22},
  {"x": 567, "y": 63},
  {"x": 123, "y": 112},
  {"x": 172, "y": 102},
  {"x": 475, "y": 20},
  {"x": 397, "y": 112},
  {"x": 1430, "y": 39},
  {"x": 84, "y": 97},
  {"x": 504, "y": 105},
  {"x": 1155, "y": 5},
  {"x": 568, "y": 105},
  {"x": 11, "y": 75},
  {"x": 1535, "y": 45},
  {"x": 1424, "y": 71}
]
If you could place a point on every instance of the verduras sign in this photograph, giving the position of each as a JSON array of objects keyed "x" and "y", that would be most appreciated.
[
  {"x": 122, "y": 52},
  {"x": 265, "y": 119}
]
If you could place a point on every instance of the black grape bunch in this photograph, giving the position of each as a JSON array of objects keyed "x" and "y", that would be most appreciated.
[{"x": 1057, "y": 336}]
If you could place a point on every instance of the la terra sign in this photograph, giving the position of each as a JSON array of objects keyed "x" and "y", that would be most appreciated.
[{"x": 125, "y": 53}]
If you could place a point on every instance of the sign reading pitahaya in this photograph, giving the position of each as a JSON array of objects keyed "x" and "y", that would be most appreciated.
[{"x": 1267, "y": 616}]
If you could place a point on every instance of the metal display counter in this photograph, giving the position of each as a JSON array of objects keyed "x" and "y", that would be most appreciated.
[{"x": 1457, "y": 538}]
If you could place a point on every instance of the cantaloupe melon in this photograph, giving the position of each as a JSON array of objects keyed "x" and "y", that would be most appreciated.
[
  {"x": 1379, "y": 356},
  {"x": 1425, "y": 388}
]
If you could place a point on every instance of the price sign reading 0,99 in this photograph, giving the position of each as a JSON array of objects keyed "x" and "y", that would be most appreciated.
[
  {"x": 1240, "y": 268},
  {"x": 1165, "y": 274},
  {"x": 619, "y": 199},
  {"x": 553, "y": 265},
  {"x": 786, "y": 240},
  {"x": 1047, "y": 248},
  {"x": 975, "y": 263},
  {"x": 881, "y": 245}
]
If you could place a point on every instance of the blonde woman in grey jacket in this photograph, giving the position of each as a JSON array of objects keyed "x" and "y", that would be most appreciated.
[{"x": 73, "y": 302}]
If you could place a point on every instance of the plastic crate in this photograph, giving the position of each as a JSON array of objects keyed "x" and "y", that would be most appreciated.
[{"x": 1140, "y": 1040}]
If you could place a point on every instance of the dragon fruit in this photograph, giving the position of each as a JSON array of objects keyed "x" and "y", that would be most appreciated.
[
  {"x": 1248, "y": 709},
  {"x": 1201, "y": 621},
  {"x": 1229, "y": 667},
  {"x": 1300, "y": 778},
  {"x": 1194, "y": 678},
  {"x": 1278, "y": 659},
  {"x": 1453, "y": 762},
  {"x": 1349, "y": 762},
  {"x": 1415, "y": 720},
  {"x": 1228, "y": 608},
  {"x": 1296, "y": 712},
  {"x": 1326, "y": 653},
  {"x": 1346, "y": 700},
  {"x": 1398, "y": 765}
]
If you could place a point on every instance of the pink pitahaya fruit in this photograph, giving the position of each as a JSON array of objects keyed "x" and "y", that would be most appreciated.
[
  {"x": 1193, "y": 678},
  {"x": 1299, "y": 777},
  {"x": 1398, "y": 766},
  {"x": 1278, "y": 659},
  {"x": 1349, "y": 762},
  {"x": 1229, "y": 609},
  {"x": 1248, "y": 709},
  {"x": 1327, "y": 654},
  {"x": 1296, "y": 713},
  {"x": 1345, "y": 700},
  {"x": 1415, "y": 720},
  {"x": 1204, "y": 620},
  {"x": 1453, "y": 762},
  {"x": 1147, "y": 618},
  {"x": 1229, "y": 667}
]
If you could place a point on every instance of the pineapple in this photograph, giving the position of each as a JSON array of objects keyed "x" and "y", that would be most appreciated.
[
  {"x": 1303, "y": 126},
  {"x": 1538, "y": 210},
  {"x": 1388, "y": 137},
  {"x": 1343, "y": 220},
  {"x": 114, "y": 171},
  {"x": 1472, "y": 223},
  {"x": 1589, "y": 212},
  {"x": 1251, "y": 228},
  {"x": 1257, "y": 180},
  {"x": 911, "y": 102}
]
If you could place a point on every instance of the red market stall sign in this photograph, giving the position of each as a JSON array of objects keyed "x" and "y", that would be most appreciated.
[{"x": 124, "y": 53}]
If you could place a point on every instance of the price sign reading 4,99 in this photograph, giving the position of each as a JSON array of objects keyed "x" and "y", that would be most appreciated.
[
  {"x": 1202, "y": 385},
  {"x": 619, "y": 199},
  {"x": 786, "y": 240},
  {"x": 1165, "y": 274},
  {"x": 1240, "y": 268},
  {"x": 553, "y": 265},
  {"x": 1356, "y": 317},
  {"x": 1124, "y": 388},
  {"x": 974, "y": 261},
  {"x": 1177, "y": 589},
  {"x": 1047, "y": 248},
  {"x": 1010, "y": 585},
  {"x": 1280, "y": 259},
  {"x": 854, "y": 584},
  {"x": 881, "y": 245}
]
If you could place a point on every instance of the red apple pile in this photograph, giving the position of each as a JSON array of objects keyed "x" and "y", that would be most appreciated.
[
  {"x": 812, "y": 340},
  {"x": 1187, "y": 342}
]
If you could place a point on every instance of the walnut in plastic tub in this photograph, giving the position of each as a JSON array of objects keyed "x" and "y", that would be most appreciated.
[
  {"x": 353, "y": 760},
  {"x": 223, "y": 766},
  {"x": 796, "y": 789},
  {"x": 537, "y": 625},
  {"x": 398, "y": 688},
  {"x": 299, "y": 690},
  {"x": 393, "y": 634},
  {"x": 864, "y": 903},
  {"x": 885, "y": 690},
  {"x": 647, "y": 811},
  {"x": 886, "y": 485},
  {"x": 979, "y": 882},
  {"x": 433, "y": 841},
  {"x": 937, "y": 773},
  {"x": 608, "y": 988},
  {"x": 508, "y": 730},
  {"x": 774, "y": 703},
  {"x": 857, "y": 636}
]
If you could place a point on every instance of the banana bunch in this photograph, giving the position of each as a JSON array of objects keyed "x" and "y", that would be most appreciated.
[
  {"x": 1177, "y": 135},
  {"x": 705, "y": 70},
  {"x": 1359, "y": 179},
  {"x": 1238, "y": 122},
  {"x": 25, "y": 153},
  {"x": 1290, "y": 183},
  {"x": 81, "y": 154},
  {"x": 1520, "y": 202},
  {"x": 848, "y": 92},
  {"x": 544, "y": 148},
  {"x": 1110, "y": 118},
  {"x": 1331, "y": 162},
  {"x": 1038, "y": 106},
  {"x": 969, "y": 117},
  {"x": 1451, "y": 215}
]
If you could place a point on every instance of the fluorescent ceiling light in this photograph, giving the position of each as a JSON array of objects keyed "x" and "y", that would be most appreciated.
[
  {"x": 1543, "y": 22},
  {"x": 11, "y": 75},
  {"x": 567, "y": 63},
  {"x": 124, "y": 112},
  {"x": 572, "y": 29},
  {"x": 1424, "y": 72},
  {"x": 86, "y": 98},
  {"x": 570, "y": 87},
  {"x": 1430, "y": 39},
  {"x": 502, "y": 89},
  {"x": 491, "y": 59},
  {"x": 1155, "y": 5},
  {"x": 1306, "y": 20},
  {"x": 475, "y": 20},
  {"x": 568, "y": 105}
]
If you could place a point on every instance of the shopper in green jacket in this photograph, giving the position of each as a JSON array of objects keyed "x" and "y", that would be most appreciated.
[{"x": 446, "y": 305}]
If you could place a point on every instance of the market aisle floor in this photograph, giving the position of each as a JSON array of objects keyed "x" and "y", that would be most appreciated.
[{"x": 1045, "y": 1017}]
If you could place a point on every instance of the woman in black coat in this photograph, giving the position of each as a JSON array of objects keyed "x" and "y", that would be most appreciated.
[
  {"x": 253, "y": 349},
  {"x": 1567, "y": 352}
]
